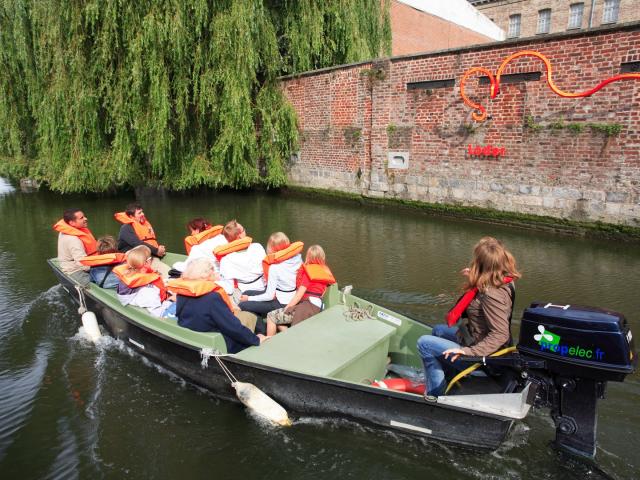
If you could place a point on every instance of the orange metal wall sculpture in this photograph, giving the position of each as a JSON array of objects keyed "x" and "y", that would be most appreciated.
[{"x": 480, "y": 113}]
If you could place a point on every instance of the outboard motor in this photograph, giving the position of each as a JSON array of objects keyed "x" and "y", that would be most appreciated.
[{"x": 572, "y": 352}]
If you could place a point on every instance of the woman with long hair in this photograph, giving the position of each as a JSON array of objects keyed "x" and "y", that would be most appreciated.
[{"x": 479, "y": 324}]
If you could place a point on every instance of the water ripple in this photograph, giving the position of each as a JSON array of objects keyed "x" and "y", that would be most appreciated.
[
  {"x": 66, "y": 463},
  {"x": 19, "y": 389}
]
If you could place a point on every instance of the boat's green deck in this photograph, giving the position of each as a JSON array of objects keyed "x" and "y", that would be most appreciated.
[{"x": 328, "y": 345}]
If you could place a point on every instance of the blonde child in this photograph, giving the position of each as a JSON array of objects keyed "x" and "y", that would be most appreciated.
[
  {"x": 139, "y": 284},
  {"x": 312, "y": 281}
]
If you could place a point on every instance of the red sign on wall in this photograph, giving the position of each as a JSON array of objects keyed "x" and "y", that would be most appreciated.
[{"x": 485, "y": 151}]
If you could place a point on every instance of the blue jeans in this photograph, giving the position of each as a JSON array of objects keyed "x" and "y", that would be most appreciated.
[
  {"x": 448, "y": 333},
  {"x": 430, "y": 348},
  {"x": 97, "y": 274}
]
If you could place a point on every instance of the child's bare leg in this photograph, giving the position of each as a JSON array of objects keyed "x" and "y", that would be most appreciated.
[
  {"x": 282, "y": 328},
  {"x": 271, "y": 328}
]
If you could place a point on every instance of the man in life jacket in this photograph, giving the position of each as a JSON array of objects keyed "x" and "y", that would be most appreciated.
[
  {"x": 137, "y": 230},
  {"x": 75, "y": 241},
  {"x": 240, "y": 261}
]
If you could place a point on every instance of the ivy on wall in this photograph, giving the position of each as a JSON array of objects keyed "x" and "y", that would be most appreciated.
[{"x": 99, "y": 94}]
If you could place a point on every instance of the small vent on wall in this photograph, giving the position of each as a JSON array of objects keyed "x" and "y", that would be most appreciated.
[
  {"x": 431, "y": 84},
  {"x": 630, "y": 67},
  {"x": 514, "y": 78},
  {"x": 398, "y": 160}
]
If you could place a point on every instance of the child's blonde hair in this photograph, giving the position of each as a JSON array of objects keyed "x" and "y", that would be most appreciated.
[
  {"x": 277, "y": 241},
  {"x": 137, "y": 257},
  {"x": 315, "y": 254}
]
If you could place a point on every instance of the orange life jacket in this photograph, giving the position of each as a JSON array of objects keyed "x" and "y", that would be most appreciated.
[
  {"x": 103, "y": 259},
  {"x": 280, "y": 256},
  {"x": 144, "y": 232},
  {"x": 146, "y": 276},
  {"x": 84, "y": 234},
  {"x": 319, "y": 273},
  {"x": 231, "y": 247},
  {"x": 198, "y": 238},
  {"x": 198, "y": 288}
]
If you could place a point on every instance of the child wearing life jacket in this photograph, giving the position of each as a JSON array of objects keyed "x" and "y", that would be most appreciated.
[
  {"x": 139, "y": 285},
  {"x": 280, "y": 267},
  {"x": 101, "y": 264},
  {"x": 312, "y": 280}
]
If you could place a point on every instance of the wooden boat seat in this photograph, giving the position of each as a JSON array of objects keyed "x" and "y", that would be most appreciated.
[{"x": 328, "y": 345}]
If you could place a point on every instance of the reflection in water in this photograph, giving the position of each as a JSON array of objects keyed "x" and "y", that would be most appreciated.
[
  {"x": 104, "y": 411},
  {"x": 5, "y": 187}
]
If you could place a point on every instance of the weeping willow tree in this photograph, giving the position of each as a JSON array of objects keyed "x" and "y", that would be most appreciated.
[{"x": 99, "y": 94}]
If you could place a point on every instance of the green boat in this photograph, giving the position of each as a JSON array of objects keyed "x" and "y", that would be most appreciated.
[{"x": 327, "y": 365}]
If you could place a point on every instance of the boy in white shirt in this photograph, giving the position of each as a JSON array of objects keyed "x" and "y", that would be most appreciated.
[{"x": 240, "y": 261}]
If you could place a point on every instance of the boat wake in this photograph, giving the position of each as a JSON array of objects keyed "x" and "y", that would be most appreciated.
[{"x": 13, "y": 317}]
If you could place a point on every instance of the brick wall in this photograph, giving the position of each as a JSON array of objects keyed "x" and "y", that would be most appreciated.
[
  {"x": 500, "y": 10},
  {"x": 416, "y": 31},
  {"x": 351, "y": 117}
]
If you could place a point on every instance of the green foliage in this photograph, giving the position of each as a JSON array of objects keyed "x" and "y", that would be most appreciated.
[
  {"x": 99, "y": 94},
  {"x": 576, "y": 128},
  {"x": 468, "y": 129},
  {"x": 392, "y": 128},
  {"x": 352, "y": 135},
  {"x": 373, "y": 75},
  {"x": 607, "y": 129},
  {"x": 531, "y": 124},
  {"x": 556, "y": 125}
]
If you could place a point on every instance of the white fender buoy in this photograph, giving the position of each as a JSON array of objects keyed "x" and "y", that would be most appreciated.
[
  {"x": 91, "y": 328},
  {"x": 260, "y": 403}
]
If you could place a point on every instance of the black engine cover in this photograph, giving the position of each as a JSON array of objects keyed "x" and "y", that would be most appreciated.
[{"x": 578, "y": 341}]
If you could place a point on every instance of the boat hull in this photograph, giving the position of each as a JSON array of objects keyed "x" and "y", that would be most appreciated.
[{"x": 304, "y": 394}]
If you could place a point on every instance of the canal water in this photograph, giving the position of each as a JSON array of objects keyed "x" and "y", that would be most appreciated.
[{"x": 71, "y": 410}]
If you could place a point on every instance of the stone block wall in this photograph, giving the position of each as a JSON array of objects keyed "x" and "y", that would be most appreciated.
[{"x": 558, "y": 159}]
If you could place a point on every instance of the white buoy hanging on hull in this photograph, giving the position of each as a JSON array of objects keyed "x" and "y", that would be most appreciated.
[
  {"x": 260, "y": 403},
  {"x": 90, "y": 325}
]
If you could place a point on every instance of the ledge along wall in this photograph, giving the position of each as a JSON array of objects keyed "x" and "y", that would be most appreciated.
[{"x": 555, "y": 161}]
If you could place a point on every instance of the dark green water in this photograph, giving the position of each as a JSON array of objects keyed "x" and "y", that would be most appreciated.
[{"x": 69, "y": 410}]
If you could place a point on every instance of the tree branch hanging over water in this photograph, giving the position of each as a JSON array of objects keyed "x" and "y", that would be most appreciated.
[{"x": 99, "y": 94}]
